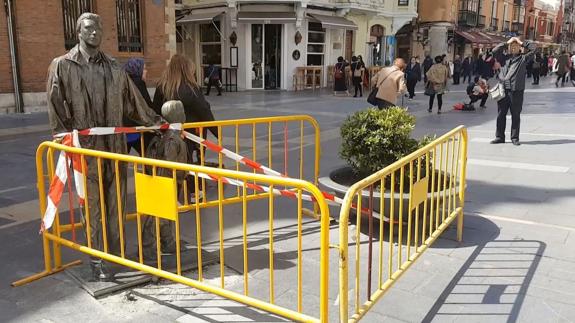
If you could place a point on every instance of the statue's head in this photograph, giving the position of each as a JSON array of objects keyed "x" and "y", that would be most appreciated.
[{"x": 89, "y": 29}]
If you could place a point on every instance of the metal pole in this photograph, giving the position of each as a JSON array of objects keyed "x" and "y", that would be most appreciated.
[{"x": 8, "y": 6}]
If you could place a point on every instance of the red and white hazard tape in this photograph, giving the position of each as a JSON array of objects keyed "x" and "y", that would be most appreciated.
[
  {"x": 231, "y": 155},
  {"x": 60, "y": 178},
  {"x": 71, "y": 139}
]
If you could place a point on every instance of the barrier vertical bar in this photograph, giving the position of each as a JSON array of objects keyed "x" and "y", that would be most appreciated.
[
  {"x": 221, "y": 229},
  {"x": 437, "y": 206},
  {"x": 178, "y": 240},
  {"x": 40, "y": 182},
  {"x": 391, "y": 224},
  {"x": 139, "y": 225},
  {"x": 86, "y": 206},
  {"x": 381, "y": 233},
  {"x": 158, "y": 245},
  {"x": 271, "y": 241},
  {"x": 245, "y": 236},
  {"x": 400, "y": 227},
  {"x": 462, "y": 183},
  {"x": 419, "y": 162},
  {"x": 431, "y": 207},
  {"x": 102, "y": 206},
  {"x": 198, "y": 226},
  {"x": 120, "y": 209},
  {"x": 424, "y": 226},
  {"x": 56, "y": 227},
  {"x": 202, "y": 163},
  {"x": 357, "y": 248},
  {"x": 445, "y": 174},
  {"x": 370, "y": 245},
  {"x": 410, "y": 208},
  {"x": 301, "y": 151},
  {"x": 299, "y": 252}
]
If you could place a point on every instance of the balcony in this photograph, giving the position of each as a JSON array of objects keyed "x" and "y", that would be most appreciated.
[
  {"x": 481, "y": 22},
  {"x": 506, "y": 25},
  {"x": 517, "y": 27},
  {"x": 494, "y": 24},
  {"x": 467, "y": 18}
]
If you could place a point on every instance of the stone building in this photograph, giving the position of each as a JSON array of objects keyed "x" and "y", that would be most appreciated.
[{"x": 264, "y": 42}]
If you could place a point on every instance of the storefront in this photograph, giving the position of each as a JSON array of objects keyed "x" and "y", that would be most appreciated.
[{"x": 264, "y": 44}]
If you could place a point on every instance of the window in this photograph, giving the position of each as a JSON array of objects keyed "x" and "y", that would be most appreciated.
[
  {"x": 315, "y": 44},
  {"x": 403, "y": 2},
  {"x": 71, "y": 10},
  {"x": 211, "y": 43},
  {"x": 129, "y": 27}
]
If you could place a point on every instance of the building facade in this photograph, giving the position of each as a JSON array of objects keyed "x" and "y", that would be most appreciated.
[
  {"x": 265, "y": 42},
  {"x": 43, "y": 30},
  {"x": 470, "y": 27}
]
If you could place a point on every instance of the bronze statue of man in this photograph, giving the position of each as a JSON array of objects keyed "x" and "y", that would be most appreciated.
[{"x": 86, "y": 88}]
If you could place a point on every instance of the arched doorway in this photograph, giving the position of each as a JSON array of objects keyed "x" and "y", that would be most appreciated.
[{"x": 377, "y": 39}]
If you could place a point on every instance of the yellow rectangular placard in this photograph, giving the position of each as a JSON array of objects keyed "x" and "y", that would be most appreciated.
[
  {"x": 419, "y": 192},
  {"x": 157, "y": 196}
]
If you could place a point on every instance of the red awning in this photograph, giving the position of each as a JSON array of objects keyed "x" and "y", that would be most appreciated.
[{"x": 474, "y": 37}]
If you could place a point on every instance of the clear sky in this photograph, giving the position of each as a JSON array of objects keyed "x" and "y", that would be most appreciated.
[{"x": 554, "y": 3}]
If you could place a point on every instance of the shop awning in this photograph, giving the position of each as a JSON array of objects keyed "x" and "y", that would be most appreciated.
[
  {"x": 332, "y": 22},
  {"x": 198, "y": 17},
  {"x": 474, "y": 37},
  {"x": 267, "y": 17}
]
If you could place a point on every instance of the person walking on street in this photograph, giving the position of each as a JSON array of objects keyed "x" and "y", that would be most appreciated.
[
  {"x": 562, "y": 66},
  {"x": 512, "y": 77},
  {"x": 339, "y": 83},
  {"x": 436, "y": 85},
  {"x": 213, "y": 79},
  {"x": 536, "y": 68},
  {"x": 389, "y": 82},
  {"x": 544, "y": 65},
  {"x": 413, "y": 75},
  {"x": 427, "y": 63},
  {"x": 456, "y": 70},
  {"x": 467, "y": 69},
  {"x": 357, "y": 71}
]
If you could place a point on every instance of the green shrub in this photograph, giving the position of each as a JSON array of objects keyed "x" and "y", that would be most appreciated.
[{"x": 373, "y": 139}]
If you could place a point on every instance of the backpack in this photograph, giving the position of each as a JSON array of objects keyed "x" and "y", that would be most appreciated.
[
  {"x": 338, "y": 74},
  {"x": 154, "y": 150}
]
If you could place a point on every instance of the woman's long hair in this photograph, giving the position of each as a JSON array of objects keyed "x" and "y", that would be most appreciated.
[{"x": 179, "y": 71}]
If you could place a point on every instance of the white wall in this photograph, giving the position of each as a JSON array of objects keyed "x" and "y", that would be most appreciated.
[{"x": 288, "y": 45}]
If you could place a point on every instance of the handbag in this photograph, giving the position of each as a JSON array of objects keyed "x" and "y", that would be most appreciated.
[
  {"x": 358, "y": 72},
  {"x": 372, "y": 97},
  {"x": 429, "y": 91},
  {"x": 497, "y": 93}
]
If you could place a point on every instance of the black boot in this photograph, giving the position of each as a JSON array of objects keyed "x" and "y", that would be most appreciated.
[{"x": 99, "y": 271}]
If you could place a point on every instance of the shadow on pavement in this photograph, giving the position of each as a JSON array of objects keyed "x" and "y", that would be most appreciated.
[{"x": 492, "y": 283}]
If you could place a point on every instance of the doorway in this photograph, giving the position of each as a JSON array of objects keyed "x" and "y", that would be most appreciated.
[{"x": 266, "y": 56}]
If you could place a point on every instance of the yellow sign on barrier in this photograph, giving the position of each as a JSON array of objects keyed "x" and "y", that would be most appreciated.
[{"x": 157, "y": 196}]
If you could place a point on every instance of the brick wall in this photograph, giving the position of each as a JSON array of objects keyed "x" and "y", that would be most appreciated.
[
  {"x": 41, "y": 38},
  {"x": 5, "y": 67}
]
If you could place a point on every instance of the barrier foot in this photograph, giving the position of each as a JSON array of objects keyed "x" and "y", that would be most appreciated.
[{"x": 44, "y": 273}]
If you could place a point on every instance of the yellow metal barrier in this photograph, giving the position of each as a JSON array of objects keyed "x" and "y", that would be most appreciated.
[
  {"x": 425, "y": 189},
  {"x": 273, "y": 141},
  {"x": 158, "y": 194}
]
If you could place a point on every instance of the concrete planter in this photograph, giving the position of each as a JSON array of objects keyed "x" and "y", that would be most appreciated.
[{"x": 327, "y": 183}]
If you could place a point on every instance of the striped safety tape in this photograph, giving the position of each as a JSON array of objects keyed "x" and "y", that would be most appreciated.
[
  {"x": 59, "y": 180},
  {"x": 57, "y": 186}
]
